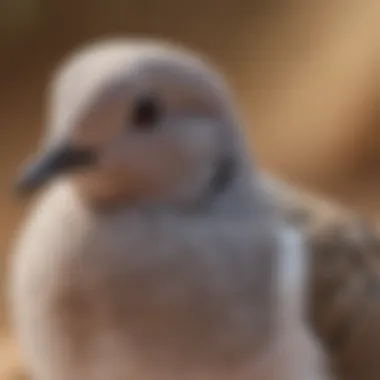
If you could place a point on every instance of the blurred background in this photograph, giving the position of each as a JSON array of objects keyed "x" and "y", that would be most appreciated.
[{"x": 305, "y": 73}]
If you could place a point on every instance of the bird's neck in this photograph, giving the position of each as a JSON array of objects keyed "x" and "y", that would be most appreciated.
[{"x": 225, "y": 197}]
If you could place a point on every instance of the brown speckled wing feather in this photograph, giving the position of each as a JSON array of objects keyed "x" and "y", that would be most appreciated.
[{"x": 345, "y": 282}]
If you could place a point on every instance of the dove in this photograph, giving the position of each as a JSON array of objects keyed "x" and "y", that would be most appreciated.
[{"x": 152, "y": 250}]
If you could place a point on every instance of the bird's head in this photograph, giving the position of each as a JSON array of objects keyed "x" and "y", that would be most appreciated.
[{"x": 134, "y": 121}]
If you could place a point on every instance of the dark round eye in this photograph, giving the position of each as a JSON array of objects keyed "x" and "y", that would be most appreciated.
[{"x": 146, "y": 113}]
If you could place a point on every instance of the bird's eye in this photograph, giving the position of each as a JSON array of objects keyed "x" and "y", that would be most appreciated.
[{"x": 146, "y": 113}]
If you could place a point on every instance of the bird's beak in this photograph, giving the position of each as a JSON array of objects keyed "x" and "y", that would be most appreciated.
[{"x": 57, "y": 161}]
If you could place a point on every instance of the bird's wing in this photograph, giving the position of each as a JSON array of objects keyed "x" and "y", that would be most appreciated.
[{"x": 345, "y": 291}]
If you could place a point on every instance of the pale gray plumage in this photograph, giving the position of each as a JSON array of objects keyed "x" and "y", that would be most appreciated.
[{"x": 137, "y": 265}]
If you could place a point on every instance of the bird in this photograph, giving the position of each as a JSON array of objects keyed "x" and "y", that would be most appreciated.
[
  {"x": 344, "y": 249},
  {"x": 152, "y": 250}
]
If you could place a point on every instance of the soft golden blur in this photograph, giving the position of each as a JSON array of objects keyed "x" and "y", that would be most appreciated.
[{"x": 305, "y": 73}]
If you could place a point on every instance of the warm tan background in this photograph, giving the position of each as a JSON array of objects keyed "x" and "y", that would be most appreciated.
[{"x": 305, "y": 72}]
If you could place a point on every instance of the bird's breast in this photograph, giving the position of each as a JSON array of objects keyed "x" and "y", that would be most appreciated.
[
  {"x": 161, "y": 292},
  {"x": 168, "y": 289}
]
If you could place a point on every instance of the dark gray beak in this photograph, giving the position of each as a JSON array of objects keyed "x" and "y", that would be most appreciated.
[{"x": 60, "y": 160}]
